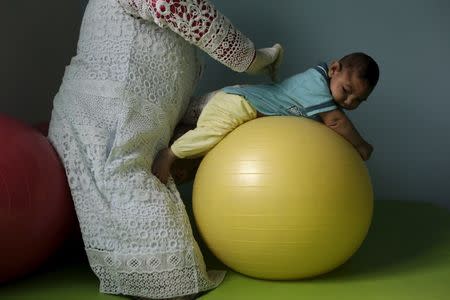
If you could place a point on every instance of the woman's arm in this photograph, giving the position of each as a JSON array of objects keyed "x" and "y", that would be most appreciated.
[{"x": 198, "y": 22}]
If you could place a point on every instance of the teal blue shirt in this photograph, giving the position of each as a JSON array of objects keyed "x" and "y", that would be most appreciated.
[{"x": 305, "y": 94}]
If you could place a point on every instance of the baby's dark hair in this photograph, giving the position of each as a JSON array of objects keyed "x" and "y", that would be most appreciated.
[{"x": 365, "y": 65}]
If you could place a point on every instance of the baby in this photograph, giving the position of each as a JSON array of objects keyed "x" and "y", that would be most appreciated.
[{"x": 319, "y": 93}]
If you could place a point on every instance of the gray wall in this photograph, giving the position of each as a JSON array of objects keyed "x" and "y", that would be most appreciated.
[
  {"x": 39, "y": 37},
  {"x": 405, "y": 118}
]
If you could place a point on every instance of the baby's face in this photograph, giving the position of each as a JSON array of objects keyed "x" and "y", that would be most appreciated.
[{"x": 347, "y": 89}]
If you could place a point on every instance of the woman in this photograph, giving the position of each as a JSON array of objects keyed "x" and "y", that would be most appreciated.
[{"x": 121, "y": 97}]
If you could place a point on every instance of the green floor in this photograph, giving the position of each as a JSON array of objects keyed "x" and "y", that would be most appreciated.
[{"x": 405, "y": 256}]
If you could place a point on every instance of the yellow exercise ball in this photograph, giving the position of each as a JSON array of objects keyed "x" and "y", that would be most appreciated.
[{"x": 283, "y": 198}]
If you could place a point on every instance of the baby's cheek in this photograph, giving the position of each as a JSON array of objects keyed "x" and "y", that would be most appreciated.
[
  {"x": 337, "y": 96},
  {"x": 335, "y": 92}
]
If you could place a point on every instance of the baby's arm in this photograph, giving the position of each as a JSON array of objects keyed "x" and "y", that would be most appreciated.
[{"x": 340, "y": 123}]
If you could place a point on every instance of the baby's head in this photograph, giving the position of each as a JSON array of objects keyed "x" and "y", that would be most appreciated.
[{"x": 352, "y": 79}]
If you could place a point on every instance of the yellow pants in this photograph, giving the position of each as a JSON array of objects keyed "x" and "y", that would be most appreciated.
[{"x": 223, "y": 113}]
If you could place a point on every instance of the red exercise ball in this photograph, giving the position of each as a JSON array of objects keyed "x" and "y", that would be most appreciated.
[{"x": 36, "y": 209}]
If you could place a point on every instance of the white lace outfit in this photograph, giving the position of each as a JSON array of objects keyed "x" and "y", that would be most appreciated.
[{"x": 120, "y": 99}]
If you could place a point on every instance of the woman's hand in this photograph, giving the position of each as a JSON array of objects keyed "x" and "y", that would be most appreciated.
[{"x": 267, "y": 61}]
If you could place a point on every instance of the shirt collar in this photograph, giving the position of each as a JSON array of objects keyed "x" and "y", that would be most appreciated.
[{"x": 322, "y": 68}]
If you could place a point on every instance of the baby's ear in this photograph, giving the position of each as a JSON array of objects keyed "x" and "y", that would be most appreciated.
[{"x": 335, "y": 67}]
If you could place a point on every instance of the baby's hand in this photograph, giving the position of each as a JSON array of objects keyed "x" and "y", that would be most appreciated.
[{"x": 365, "y": 150}]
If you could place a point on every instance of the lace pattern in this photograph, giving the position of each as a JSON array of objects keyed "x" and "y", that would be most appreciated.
[
  {"x": 120, "y": 100},
  {"x": 201, "y": 24}
]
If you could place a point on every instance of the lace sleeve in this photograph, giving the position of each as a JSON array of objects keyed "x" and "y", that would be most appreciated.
[{"x": 198, "y": 22}]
